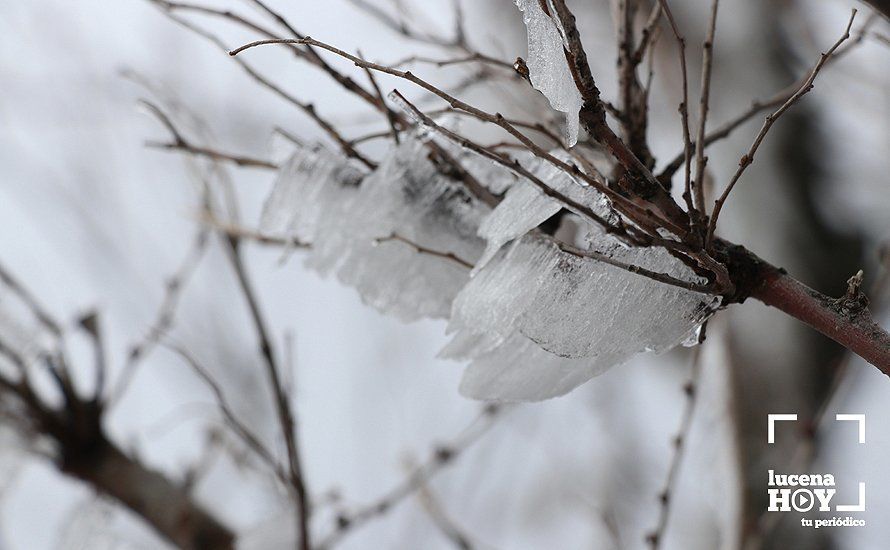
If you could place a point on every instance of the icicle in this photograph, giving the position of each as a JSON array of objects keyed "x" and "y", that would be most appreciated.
[{"x": 547, "y": 66}]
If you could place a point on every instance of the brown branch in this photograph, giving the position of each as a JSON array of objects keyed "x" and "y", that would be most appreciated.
[
  {"x": 283, "y": 408},
  {"x": 180, "y": 143},
  {"x": 633, "y": 106},
  {"x": 851, "y": 325},
  {"x": 307, "y": 108},
  {"x": 760, "y": 105},
  {"x": 707, "y": 61},
  {"x": 748, "y": 157}
]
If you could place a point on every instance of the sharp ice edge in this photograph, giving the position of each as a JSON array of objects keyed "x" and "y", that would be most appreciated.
[
  {"x": 520, "y": 370},
  {"x": 547, "y": 66},
  {"x": 405, "y": 196},
  {"x": 525, "y": 206},
  {"x": 585, "y": 316}
]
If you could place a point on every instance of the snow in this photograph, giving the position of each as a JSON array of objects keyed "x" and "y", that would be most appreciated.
[{"x": 547, "y": 66}]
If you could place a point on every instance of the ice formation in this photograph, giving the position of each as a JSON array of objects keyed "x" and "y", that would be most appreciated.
[
  {"x": 525, "y": 205},
  {"x": 592, "y": 314},
  {"x": 311, "y": 181},
  {"x": 532, "y": 320},
  {"x": 547, "y": 66},
  {"x": 405, "y": 197}
]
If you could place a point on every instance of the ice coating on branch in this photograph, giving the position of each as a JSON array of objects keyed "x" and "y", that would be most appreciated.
[
  {"x": 350, "y": 226},
  {"x": 526, "y": 206},
  {"x": 532, "y": 320},
  {"x": 308, "y": 184},
  {"x": 592, "y": 314},
  {"x": 548, "y": 70}
]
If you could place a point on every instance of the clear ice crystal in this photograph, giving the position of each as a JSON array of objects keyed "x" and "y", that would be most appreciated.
[
  {"x": 532, "y": 320},
  {"x": 526, "y": 206},
  {"x": 350, "y": 227},
  {"x": 588, "y": 313},
  {"x": 547, "y": 66},
  {"x": 311, "y": 181}
]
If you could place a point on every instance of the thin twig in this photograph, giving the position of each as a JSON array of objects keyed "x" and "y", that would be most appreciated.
[
  {"x": 286, "y": 417},
  {"x": 164, "y": 318},
  {"x": 760, "y": 105},
  {"x": 656, "y": 538},
  {"x": 241, "y": 430},
  {"x": 391, "y": 117},
  {"x": 441, "y": 457},
  {"x": 307, "y": 108},
  {"x": 707, "y": 62},
  {"x": 684, "y": 110},
  {"x": 180, "y": 143},
  {"x": 748, "y": 157}
]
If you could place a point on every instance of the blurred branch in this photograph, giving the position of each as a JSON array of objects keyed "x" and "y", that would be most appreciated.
[
  {"x": 440, "y": 519},
  {"x": 440, "y": 458},
  {"x": 656, "y": 538},
  {"x": 286, "y": 417},
  {"x": 180, "y": 143},
  {"x": 760, "y": 105},
  {"x": 164, "y": 317},
  {"x": 82, "y": 450},
  {"x": 239, "y": 428}
]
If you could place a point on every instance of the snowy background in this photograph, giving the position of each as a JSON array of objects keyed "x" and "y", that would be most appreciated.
[{"x": 91, "y": 218}]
